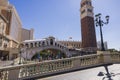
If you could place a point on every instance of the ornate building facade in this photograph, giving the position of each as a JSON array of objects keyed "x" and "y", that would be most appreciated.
[
  {"x": 11, "y": 31},
  {"x": 71, "y": 44}
]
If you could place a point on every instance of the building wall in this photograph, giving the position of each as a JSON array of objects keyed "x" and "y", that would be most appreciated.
[
  {"x": 13, "y": 28},
  {"x": 31, "y": 34},
  {"x": 7, "y": 14},
  {"x": 13, "y": 24},
  {"x": 78, "y": 44},
  {"x": 3, "y": 2},
  {"x": 2, "y": 26},
  {"x": 27, "y": 34},
  {"x": 4, "y": 40},
  {"x": 72, "y": 44},
  {"x": 16, "y": 26}
]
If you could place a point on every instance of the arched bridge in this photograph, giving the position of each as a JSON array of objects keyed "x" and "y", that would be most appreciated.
[{"x": 31, "y": 47}]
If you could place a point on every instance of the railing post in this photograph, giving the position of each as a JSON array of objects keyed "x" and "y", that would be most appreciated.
[
  {"x": 101, "y": 58},
  {"x": 76, "y": 62},
  {"x": 13, "y": 74},
  {"x": 105, "y": 57}
]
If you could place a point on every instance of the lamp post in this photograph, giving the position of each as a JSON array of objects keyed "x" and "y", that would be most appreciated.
[
  {"x": 26, "y": 52},
  {"x": 20, "y": 51},
  {"x": 100, "y": 23}
]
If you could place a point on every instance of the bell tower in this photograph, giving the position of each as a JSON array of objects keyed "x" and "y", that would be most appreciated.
[{"x": 87, "y": 26}]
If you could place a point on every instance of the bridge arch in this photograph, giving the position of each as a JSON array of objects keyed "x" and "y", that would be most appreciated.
[
  {"x": 49, "y": 53},
  {"x": 34, "y": 46}
]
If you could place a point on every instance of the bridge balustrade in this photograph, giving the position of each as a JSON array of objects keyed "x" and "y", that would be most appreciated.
[
  {"x": 115, "y": 57},
  {"x": 39, "y": 69}
]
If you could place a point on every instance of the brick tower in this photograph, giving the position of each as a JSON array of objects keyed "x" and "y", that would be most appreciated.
[{"x": 87, "y": 26}]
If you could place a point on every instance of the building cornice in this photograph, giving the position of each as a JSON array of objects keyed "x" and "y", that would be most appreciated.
[{"x": 3, "y": 18}]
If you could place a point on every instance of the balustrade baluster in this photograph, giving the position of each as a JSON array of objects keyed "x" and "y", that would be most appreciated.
[
  {"x": 22, "y": 72},
  {"x": 5, "y": 77},
  {"x": 30, "y": 71},
  {"x": 54, "y": 66},
  {"x": 42, "y": 68},
  {"x": 26, "y": 73},
  {"x": 49, "y": 67},
  {"x": 63, "y": 63},
  {"x": 37, "y": 69},
  {"x": 69, "y": 63},
  {"x": 57, "y": 65},
  {"x": 80, "y": 62}
]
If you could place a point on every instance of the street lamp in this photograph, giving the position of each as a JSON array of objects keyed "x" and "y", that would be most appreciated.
[
  {"x": 20, "y": 51},
  {"x": 100, "y": 23},
  {"x": 26, "y": 47}
]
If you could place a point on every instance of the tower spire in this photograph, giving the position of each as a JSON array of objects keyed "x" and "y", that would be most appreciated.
[{"x": 86, "y": 8}]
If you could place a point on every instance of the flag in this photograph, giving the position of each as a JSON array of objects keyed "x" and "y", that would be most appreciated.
[{"x": 70, "y": 37}]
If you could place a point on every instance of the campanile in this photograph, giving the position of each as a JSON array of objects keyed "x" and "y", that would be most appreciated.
[{"x": 87, "y": 26}]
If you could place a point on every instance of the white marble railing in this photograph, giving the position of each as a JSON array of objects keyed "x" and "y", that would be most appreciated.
[{"x": 56, "y": 66}]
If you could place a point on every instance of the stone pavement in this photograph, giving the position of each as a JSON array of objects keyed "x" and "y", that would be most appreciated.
[{"x": 88, "y": 74}]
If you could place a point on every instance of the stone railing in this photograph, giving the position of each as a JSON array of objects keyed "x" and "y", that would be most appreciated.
[{"x": 33, "y": 70}]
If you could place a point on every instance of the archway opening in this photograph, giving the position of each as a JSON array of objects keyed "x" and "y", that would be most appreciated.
[
  {"x": 49, "y": 54},
  {"x": 51, "y": 41}
]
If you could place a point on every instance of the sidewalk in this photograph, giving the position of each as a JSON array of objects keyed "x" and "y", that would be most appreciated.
[{"x": 88, "y": 74}]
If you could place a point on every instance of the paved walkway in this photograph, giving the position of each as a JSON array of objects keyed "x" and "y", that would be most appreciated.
[{"x": 88, "y": 74}]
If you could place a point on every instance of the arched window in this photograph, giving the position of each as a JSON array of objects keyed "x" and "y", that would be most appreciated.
[
  {"x": 51, "y": 41},
  {"x": 35, "y": 44},
  {"x": 27, "y": 45},
  {"x": 39, "y": 44},
  {"x": 31, "y": 45},
  {"x": 43, "y": 43},
  {"x": 58, "y": 45},
  {"x": 55, "y": 44}
]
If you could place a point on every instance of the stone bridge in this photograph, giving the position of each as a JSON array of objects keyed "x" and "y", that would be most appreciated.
[
  {"x": 31, "y": 47},
  {"x": 45, "y": 68}
]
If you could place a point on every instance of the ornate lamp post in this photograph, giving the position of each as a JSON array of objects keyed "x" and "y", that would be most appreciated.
[
  {"x": 20, "y": 51},
  {"x": 100, "y": 23}
]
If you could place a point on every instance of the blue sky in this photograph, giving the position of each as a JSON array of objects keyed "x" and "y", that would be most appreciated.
[{"x": 61, "y": 18}]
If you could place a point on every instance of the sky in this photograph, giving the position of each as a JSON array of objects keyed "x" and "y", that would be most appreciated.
[{"x": 61, "y": 19}]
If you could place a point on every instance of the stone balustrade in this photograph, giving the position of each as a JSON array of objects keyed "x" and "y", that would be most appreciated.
[{"x": 33, "y": 70}]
